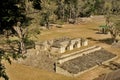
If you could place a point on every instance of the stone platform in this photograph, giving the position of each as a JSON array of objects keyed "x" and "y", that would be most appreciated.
[{"x": 83, "y": 61}]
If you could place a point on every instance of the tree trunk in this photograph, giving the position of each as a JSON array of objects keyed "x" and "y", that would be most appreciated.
[
  {"x": 63, "y": 16},
  {"x": 47, "y": 24},
  {"x": 70, "y": 13},
  {"x": 21, "y": 35},
  {"x": 26, "y": 6},
  {"x": 22, "y": 47}
]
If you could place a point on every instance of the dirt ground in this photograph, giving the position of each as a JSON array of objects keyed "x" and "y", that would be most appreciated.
[{"x": 87, "y": 30}]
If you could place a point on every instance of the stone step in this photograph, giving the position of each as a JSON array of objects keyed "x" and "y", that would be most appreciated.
[
  {"x": 77, "y": 54},
  {"x": 67, "y": 55}
]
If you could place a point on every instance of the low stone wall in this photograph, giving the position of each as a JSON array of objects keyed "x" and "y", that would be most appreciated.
[
  {"x": 66, "y": 73},
  {"x": 62, "y": 71},
  {"x": 78, "y": 54},
  {"x": 66, "y": 55}
]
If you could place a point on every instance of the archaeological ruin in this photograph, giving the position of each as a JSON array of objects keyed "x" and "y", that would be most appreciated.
[
  {"x": 61, "y": 45},
  {"x": 79, "y": 62},
  {"x": 44, "y": 55},
  {"x": 72, "y": 64}
]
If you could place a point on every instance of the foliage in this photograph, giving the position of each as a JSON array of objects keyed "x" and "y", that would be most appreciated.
[
  {"x": 37, "y": 4},
  {"x": 104, "y": 29},
  {"x": 29, "y": 43},
  {"x": 114, "y": 29},
  {"x": 2, "y": 67},
  {"x": 109, "y": 11},
  {"x": 12, "y": 11},
  {"x": 4, "y": 56},
  {"x": 47, "y": 11},
  {"x": 53, "y": 10}
]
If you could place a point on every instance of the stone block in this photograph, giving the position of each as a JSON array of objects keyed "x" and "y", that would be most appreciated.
[
  {"x": 84, "y": 42},
  {"x": 54, "y": 50},
  {"x": 78, "y": 44},
  {"x": 62, "y": 49},
  {"x": 70, "y": 47}
]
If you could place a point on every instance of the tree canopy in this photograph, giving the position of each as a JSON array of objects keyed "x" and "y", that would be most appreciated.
[{"x": 12, "y": 11}]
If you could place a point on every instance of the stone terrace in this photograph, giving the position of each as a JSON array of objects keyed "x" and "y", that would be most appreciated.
[{"x": 86, "y": 61}]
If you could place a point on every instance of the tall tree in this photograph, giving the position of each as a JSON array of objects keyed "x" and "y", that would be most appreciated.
[
  {"x": 60, "y": 9},
  {"x": 11, "y": 12},
  {"x": 110, "y": 12},
  {"x": 48, "y": 8},
  {"x": 114, "y": 29}
]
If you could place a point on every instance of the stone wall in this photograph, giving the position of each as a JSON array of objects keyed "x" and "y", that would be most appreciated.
[
  {"x": 78, "y": 54},
  {"x": 66, "y": 55},
  {"x": 62, "y": 71}
]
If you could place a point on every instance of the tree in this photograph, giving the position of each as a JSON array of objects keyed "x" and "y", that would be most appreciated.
[
  {"x": 2, "y": 67},
  {"x": 98, "y": 7},
  {"x": 48, "y": 8},
  {"x": 13, "y": 12},
  {"x": 110, "y": 11},
  {"x": 60, "y": 11},
  {"x": 22, "y": 34},
  {"x": 12, "y": 16},
  {"x": 87, "y": 8},
  {"x": 114, "y": 29},
  {"x": 67, "y": 9}
]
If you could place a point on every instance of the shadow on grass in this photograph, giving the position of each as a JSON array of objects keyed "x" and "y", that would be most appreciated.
[
  {"x": 106, "y": 41},
  {"x": 98, "y": 32},
  {"x": 93, "y": 29},
  {"x": 92, "y": 39}
]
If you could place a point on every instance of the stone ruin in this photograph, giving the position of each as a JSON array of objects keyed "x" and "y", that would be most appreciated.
[
  {"x": 61, "y": 45},
  {"x": 72, "y": 64},
  {"x": 116, "y": 44},
  {"x": 82, "y": 61}
]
